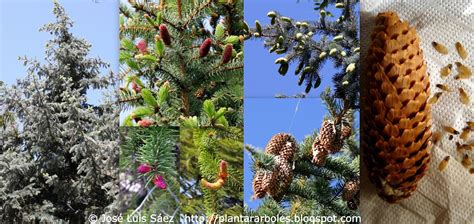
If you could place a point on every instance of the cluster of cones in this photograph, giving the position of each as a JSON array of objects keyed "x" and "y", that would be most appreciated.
[
  {"x": 329, "y": 140},
  {"x": 275, "y": 182}
]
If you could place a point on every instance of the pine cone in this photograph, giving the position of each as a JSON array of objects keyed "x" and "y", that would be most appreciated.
[
  {"x": 282, "y": 176},
  {"x": 351, "y": 188},
  {"x": 396, "y": 117},
  {"x": 328, "y": 137},
  {"x": 346, "y": 131},
  {"x": 257, "y": 184},
  {"x": 282, "y": 144},
  {"x": 319, "y": 153}
]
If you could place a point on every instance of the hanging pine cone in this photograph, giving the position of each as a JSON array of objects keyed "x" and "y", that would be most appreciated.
[
  {"x": 319, "y": 153},
  {"x": 350, "y": 190},
  {"x": 346, "y": 131},
  {"x": 396, "y": 117},
  {"x": 282, "y": 144},
  {"x": 258, "y": 189},
  {"x": 328, "y": 137},
  {"x": 282, "y": 177}
]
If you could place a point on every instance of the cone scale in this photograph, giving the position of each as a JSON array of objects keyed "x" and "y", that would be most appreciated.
[{"x": 396, "y": 117}]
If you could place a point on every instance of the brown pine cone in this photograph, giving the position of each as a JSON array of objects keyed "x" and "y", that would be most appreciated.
[
  {"x": 282, "y": 177},
  {"x": 282, "y": 144},
  {"x": 351, "y": 189},
  {"x": 258, "y": 188},
  {"x": 396, "y": 117},
  {"x": 319, "y": 153},
  {"x": 346, "y": 131},
  {"x": 328, "y": 137}
]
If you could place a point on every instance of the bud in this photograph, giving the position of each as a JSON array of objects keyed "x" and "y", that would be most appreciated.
[
  {"x": 322, "y": 55},
  {"x": 333, "y": 51},
  {"x": 205, "y": 47},
  {"x": 165, "y": 35},
  {"x": 271, "y": 14},
  {"x": 343, "y": 53},
  {"x": 299, "y": 36},
  {"x": 144, "y": 168},
  {"x": 357, "y": 49},
  {"x": 339, "y": 5},
  {"x": 281, "y": 60},
  {"x": 338, "y": 38},
  {"x": 350, "y": 67},
  {"x": 160, "y": 182}
]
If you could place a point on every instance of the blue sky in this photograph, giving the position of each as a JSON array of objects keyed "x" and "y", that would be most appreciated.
[
  {"x": 266, "y": 117},
  {"x": 94, "y": 20},
  {"x": 261, "y": 76}
]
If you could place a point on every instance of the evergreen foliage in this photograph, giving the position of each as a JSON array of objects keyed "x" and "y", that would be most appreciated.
[
  {"x": 202, "y": 150},
  {"x": 176, "y": 54},
  {"x": 155, "y": 147},
  {"x": 57, "y": 152},
  {"x": 310, "y": 44}
]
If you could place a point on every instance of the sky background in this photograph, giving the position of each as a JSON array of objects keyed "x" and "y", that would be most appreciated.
[
  {"x": 94, "y": 20},
  {"x": 261, "y": 77}
]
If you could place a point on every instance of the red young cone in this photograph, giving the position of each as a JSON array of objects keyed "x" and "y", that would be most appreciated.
[
  {"x": 160, "y": 182},
  {"x": 165, "y": 35},
  {"x": 144, "y": 168},
  {"x": 136, "y": 88},
  {"x": 142, "y": 46},
  {"x": 227, "y": 55},
  {"x": 205, "y": 47},
  {"x": 145, "y": 123}
]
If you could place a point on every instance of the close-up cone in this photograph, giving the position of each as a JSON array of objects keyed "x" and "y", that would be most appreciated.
[{"x": 396, "y": 117}]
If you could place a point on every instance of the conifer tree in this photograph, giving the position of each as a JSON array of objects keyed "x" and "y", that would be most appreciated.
[
  {"x": 310, "y": 43},
  {"x": 58, "y": 153},
  {"x": 177, "y": 54}
]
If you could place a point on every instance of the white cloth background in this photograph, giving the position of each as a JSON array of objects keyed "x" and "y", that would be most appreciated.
[{"x": 441, "y": 197}]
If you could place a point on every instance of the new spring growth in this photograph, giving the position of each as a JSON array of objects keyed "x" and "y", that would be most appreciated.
[
  {"x": 144, "y": 168},
  {"x": 222, "y": 177}
]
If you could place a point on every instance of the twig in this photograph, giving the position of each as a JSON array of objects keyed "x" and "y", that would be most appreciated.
[{"x": 144, "y": 200}]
